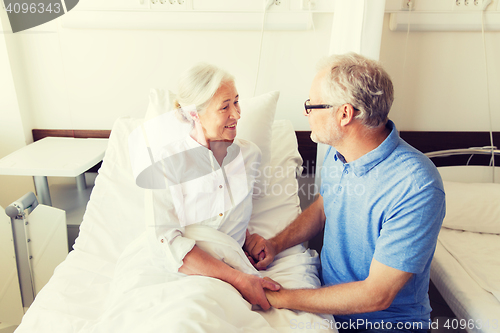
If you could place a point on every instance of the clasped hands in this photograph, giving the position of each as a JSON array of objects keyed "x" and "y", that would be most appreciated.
[{"x": 261, "y": 252}]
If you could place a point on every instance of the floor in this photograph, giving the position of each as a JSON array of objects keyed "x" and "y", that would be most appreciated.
[{"x": 66, "y": 196}]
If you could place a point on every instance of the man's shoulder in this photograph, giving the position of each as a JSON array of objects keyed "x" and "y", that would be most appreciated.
[{"x": 413, "y": 165}]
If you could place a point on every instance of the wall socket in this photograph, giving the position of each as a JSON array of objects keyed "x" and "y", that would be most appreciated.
[
  {"x": 279, "y": 6},
  {"x": 408, "y": 4},
  {"x": 307, "y": 4},
  {"x": 169, "y": 5},
  {"x": 471, "y": 5}
]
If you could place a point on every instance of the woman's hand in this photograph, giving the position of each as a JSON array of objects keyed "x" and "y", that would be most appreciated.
[
  {"x": 274, "y": 297},
  {"x": 260, "y": 249},
  {"x": 252, "y": 288}
]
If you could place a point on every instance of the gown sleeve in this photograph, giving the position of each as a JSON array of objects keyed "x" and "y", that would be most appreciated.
[{"x": 165, "y": 227}]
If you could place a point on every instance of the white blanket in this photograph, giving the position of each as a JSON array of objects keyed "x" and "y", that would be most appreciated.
[
  {"x": 477, "y": 253},
  {"x": 147, "y": 298},
  {"x": 91, "y": 292}
]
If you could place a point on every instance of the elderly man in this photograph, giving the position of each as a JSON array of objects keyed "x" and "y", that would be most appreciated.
[{"x": 381, "y": 206}]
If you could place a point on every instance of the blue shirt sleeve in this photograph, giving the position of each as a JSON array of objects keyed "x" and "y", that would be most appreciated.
[{"x": 409, "y": 234}]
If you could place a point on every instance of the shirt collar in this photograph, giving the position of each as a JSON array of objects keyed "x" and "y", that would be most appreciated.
[
  {"x": 192, "y": 143},
  {"x": 368, "y": 161},
  {"x": 231, "y": 149}
]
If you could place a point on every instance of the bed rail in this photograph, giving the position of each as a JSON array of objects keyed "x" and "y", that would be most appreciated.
[{"x": 464, "y": 151}]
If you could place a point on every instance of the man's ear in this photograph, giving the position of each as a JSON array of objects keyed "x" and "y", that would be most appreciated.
[{"x": 346, "y": 114}]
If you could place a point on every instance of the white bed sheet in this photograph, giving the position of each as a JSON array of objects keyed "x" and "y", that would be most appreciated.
[
  {"x": 74, "y": 298},
  {"x": 478, "y": 253},
  {"x": 459, "y": 281},
  {"x": 466, "y": 298}
]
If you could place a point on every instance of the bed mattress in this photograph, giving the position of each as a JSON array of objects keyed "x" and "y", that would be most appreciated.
[
  {"x": 477, "y": 309},
  {"x": 80, "y": 295}
]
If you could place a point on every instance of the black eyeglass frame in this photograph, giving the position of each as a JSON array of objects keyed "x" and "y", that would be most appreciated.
[{"x": 309, "y": 107}]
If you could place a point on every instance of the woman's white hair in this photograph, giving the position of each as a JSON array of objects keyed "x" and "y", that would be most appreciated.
[
  {"x": 197, "y": 86},
  {"x": 361, "y": 82}
]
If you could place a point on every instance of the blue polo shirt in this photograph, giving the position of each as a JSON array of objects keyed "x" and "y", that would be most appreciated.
[{"x": 387, "y": 205}]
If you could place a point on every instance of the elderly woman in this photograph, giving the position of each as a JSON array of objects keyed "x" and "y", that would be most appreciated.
[{"x": 209, "y": 176}]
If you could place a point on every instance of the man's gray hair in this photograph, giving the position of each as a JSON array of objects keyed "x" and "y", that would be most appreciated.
[
  {"x": 197, "y": 86},
  {"x": 361, "y": 82}
]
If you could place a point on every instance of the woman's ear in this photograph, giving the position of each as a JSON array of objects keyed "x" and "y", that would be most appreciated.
[
  {"x": 194, "y": 115},
  {"x": 190, "y": 112}
]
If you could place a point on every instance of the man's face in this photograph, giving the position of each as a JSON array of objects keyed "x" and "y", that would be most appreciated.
[{"x": 324, "y": 126}]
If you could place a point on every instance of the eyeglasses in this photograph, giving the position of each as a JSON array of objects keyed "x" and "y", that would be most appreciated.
[{"x": 308, "y": 107}]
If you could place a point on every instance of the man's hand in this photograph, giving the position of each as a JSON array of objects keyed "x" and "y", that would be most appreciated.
[
  {"x": 261, "y": 250},
  {"x": 375, "y": 293},
  {"x": 253, "y": 288}
]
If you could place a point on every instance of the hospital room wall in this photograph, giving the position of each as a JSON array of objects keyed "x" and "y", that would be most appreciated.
[
  {"x": 15, "y": 120},
  {"x": 85, "y": 79},
  {"x": 443, "y": 85}
]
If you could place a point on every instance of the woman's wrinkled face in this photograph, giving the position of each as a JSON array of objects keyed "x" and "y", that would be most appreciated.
[{"x": 221, "y": 116}]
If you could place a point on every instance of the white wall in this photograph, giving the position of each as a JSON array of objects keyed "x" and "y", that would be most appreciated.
[
  {"x": 443, "y": 86},
  {"x": 85, "y": 79},
  {"x": 15, "y": 120}
]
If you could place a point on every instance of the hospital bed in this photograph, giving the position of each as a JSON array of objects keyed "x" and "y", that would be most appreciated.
[
  {"x": 75, "y": 298},
  {"x": 466, "y": 264}
]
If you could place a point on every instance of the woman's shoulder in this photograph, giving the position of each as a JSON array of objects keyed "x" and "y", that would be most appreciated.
[
  {"x": 176, "y": 146},
  {"x": 248, "y": 147}
]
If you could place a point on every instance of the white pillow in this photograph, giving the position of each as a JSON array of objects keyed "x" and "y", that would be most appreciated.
[
  {"x": 472, "y": 207},
  {"x": 255, "y": 125},
  {"x": 281, "y": 204},
  {"x": 257, "y": 116},
  {"x": 115, "y": 213},
  {"x": 160, "y": 101}
]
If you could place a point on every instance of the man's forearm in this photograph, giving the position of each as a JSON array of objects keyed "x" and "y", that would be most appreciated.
[
  {"x": 305, "y": 227},
  {"x": 375, "y": 293},
  {"x": 342, "y": 299}
]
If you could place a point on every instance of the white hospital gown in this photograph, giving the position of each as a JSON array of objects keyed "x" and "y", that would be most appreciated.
[{"x": 194, "y": 189}]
